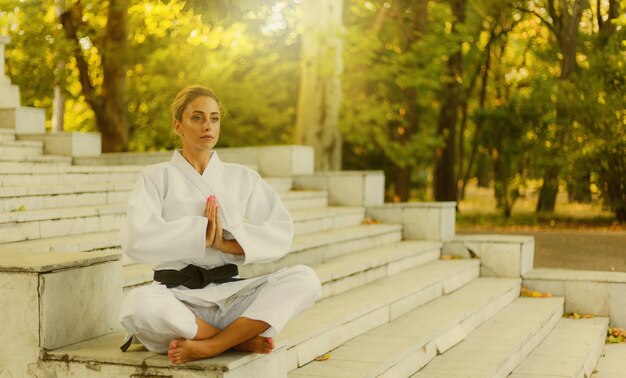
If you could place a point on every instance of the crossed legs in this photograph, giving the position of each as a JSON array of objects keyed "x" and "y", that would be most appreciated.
[
  {"x": 241, "y": 334},
  {"x": 185, "y": 332}
]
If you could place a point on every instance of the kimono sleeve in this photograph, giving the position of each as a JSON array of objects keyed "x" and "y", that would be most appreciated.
[
  {"x": 267, "y": 231},
  {"x": 148, "y": 238}
]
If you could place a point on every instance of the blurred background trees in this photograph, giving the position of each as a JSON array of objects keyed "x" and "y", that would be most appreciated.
[{"x": 435, "y": 93}]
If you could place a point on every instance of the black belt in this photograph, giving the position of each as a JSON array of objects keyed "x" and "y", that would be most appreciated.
[{"x": 195, "y": 277}]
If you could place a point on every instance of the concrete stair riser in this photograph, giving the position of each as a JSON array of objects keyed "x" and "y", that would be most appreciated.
[
  {"x": 320, "y": 253},
  {"x": 56, "y": 196},
  {"x": 338, "y": 319},
  {"x": 348, "y": 272},
  {"x": 403, "y": 346},
  {"x": 7, "y": 135},
  {"x": 146, "y": 364},
  {"x": 19, "y": 151},
  {"x": 572, "y": 350},
  {"x": 498, "y": 346},
  {"x": 29, "y": 225}
]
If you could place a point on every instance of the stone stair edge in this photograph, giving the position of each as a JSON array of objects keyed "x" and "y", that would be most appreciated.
[
  {"x": 420, "y": 278},
  {"x": 136, "y": 274},
  {"x": 228, "y": 361},
  {"x": 109, "y": 239},
  {"x": 573, "y": 344},
  {"x": 499, "y": 290},
  {"x": 532, "y": 327}
]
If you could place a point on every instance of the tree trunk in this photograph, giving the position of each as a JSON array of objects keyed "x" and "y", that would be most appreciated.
[
  {"x": 565, "y": 26},
  {"x": 114, "y": 124},
  {"x": 110, "y": 107},
  {"x": 402, "y": 183},
  {"x": 549, "y": 189},
  {"x": 445, "y": 183},
  {"x": 320, "y": 85}
]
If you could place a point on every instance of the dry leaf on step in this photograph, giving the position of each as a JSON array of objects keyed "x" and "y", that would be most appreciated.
[{"x": 323, "y": 357}]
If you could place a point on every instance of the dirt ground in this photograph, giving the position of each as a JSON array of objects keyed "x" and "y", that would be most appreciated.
[{"x": 575, "y": 249}]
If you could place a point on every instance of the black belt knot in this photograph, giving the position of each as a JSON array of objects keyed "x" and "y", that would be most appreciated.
[{"x": 195, "y": 277}]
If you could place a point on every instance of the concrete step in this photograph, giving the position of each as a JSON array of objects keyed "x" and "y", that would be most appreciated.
[
  {"x": 323, "y": 246},
  {"x": 14, "y": 198},
  {"x": 315, "y": 247},
  {"x": 572, "y": 349},
  {"x": 20, "y": 149},
  {"x": 60, "y": 174},
  {"x": 40, "y": 159},
  {"x": 406, "y": 344},
  {"x": 338, "y": 319},
  {"x": 322, "y": 218},
  {"x": 343, "y": 273},
  {"x": 101, "y": 357},
  {"x": 7, "y": 135},
  {"x": 339, "y": 274},
  {"x": 35, "y": 197},
  {"x": 305, "y": 199},
  {"x": 48, "y": 223},
  {"x": 612, "y": 362},
  {"x": 40, "y": 224},
  {"x": 329, "y": 322},
  {"x": 498, "y": 346}
]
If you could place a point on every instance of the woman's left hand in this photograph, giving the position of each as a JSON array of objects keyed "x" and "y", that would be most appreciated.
[{"x": 221, "y": 244}]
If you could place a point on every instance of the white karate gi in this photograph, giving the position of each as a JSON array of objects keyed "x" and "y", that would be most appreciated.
[{"x": 165, "y": 226}]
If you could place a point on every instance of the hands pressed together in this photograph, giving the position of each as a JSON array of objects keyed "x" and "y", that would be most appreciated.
[{"x": 214, "y": 233}]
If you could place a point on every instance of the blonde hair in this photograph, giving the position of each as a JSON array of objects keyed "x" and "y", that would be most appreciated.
[{"x": 187, "y": 95}]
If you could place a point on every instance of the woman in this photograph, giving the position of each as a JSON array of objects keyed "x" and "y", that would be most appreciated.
[{"x": 197, "y": 218}]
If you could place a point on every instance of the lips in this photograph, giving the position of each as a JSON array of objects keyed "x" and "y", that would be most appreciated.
[{"x": 207, "y": 137}]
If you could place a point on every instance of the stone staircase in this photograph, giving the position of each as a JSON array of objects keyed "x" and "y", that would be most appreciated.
[{"x": 390, "y": 305}]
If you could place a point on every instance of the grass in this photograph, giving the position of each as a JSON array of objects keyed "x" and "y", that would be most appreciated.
[{"x": 478, "y": 211}]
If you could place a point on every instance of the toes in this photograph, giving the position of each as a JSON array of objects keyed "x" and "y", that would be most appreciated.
[{"x": 173, "y": 344}]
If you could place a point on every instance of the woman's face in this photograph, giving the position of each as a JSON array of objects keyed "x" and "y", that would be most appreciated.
[{"x": 200, "y": 124}]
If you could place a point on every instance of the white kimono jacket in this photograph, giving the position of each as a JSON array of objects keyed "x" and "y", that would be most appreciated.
[{"x": 165, "y": 224}]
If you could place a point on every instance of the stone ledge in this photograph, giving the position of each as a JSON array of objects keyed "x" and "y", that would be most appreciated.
[
  {"x": 272, "y": 161},
  {"x": 500, "y": 255},
  {"x": 104, "y": 352},
  {"x": 22, "y": 119},
  {"x": 575, "y": 275},
  {"x": 44, "y": 262},
  {"x": 585, "y": 292},
  {"x": 420, "y": 220},
  {"x": 68, "y": 143},
  {"x": 346, "y": 188}
]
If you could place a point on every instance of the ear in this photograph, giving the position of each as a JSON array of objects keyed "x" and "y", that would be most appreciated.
[{"x": 177, "y": 127}]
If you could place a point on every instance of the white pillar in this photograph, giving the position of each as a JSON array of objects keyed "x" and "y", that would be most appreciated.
[{"x": 4, "y": 40}]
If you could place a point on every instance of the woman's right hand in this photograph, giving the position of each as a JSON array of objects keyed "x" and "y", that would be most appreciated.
[{"x": 210, "y": 212}]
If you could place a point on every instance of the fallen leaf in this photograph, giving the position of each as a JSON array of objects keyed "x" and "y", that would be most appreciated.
[
  {"x": 369, "y": 220},
  {"x": 533, "y": 294},
  {"x": 323, "y": 357}
]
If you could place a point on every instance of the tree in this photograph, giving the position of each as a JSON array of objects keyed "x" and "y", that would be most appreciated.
[
  {"x": 320, "y": 85},
  {"x": 445, "y": 179},
  {"x": 108, "y": 101}
]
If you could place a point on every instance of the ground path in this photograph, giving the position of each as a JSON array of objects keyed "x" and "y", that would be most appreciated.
[{"x": 602, "y": 250}]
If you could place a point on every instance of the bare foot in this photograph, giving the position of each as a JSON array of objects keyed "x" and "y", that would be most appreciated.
[
  {"x": 257, "y": 344},
  {"x": 183, "y": 350}
]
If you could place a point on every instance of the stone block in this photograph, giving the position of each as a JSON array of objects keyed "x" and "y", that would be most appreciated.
[
  {"x": 282, "y": 161},
  {"x": 19, "y": 315},
  {"x": 79, "y": 304},
  {"x": 24, "y": 120},
  {"x": 421, "y": 221},
  {"x": 500, "y": 259},
  {"x": 9, "y": 96},
  {"x": 347, "y": 188},
  {"x": 450, "y": 338},
  {"x": 79, "y": 144},
  {"x": 617, "y": 305},
  {"x": 587, "y": 297}
]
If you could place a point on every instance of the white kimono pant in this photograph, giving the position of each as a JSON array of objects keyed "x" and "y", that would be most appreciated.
[{"x": 155, "y": 316}]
